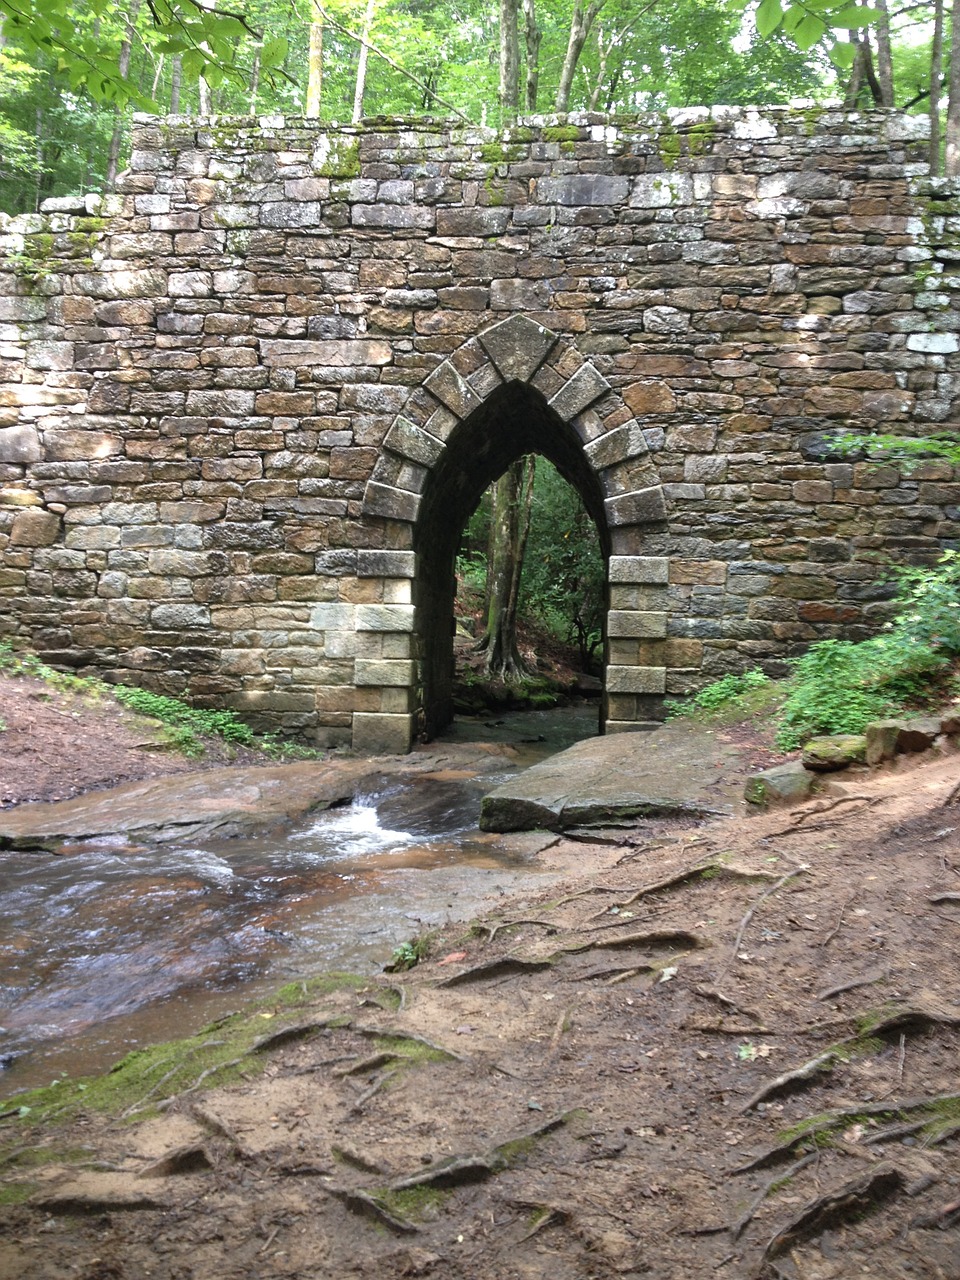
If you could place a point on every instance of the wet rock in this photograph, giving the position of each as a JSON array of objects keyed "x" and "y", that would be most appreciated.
[
  {"x": 782, "y": 785},
  {"x": 677, "y": 769},
  {"x": 837, "y": 751}
]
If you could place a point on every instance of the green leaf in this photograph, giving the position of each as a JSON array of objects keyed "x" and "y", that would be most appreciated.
[
  {"x": 843, "y": 55},
  {"x": 793, "y": 17},
  {"x": 810, "y": 31},
  {"x": 769, "y": 17},
  {"x": 273, "y": 53},
  {"x": 852, "y": 18}
]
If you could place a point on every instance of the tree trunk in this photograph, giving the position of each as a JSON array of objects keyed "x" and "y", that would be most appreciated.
[
  {"x": 951, "y": 163},
  {"x": 123, "y": 65},
  {"x": 532, "y": 36},
  {"x": 254, "y": 84},
  {"x": 936, "y": 78},
  {"x": 884, "y": 55},
  {"x": 580, "y": 26},
  {"x": 314, "y": 67},
  {"x": 509, "y": 527},
  {"x": 362, "y": 65},
  {"x": 509, "y": 59},
  {"x": 176, "y": 76},
  {"x": 203, "y": 93}
]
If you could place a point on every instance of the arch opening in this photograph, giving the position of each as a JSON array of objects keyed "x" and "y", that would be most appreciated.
[{"x": 514, "y": 420}]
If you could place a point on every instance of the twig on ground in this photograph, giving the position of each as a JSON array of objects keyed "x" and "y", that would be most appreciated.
[
  {"x": 744, "y": 923},
  {"x": 836, "y": 928},
  {"x": 358, "y": 1105}
]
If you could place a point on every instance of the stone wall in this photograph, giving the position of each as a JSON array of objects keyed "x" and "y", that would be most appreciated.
[{"x": 247, "y": 403}]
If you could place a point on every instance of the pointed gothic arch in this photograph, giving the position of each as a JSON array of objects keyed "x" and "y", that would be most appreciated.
[{"x": 515, "y": 388}]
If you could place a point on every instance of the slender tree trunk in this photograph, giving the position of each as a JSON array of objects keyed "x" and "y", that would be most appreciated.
[
  {"x": 361, "y": 83},
  {"x": 203, "y": 93},
  {"x": 157, "y": 77},
  {"x": 176, "y": 76},
  {"x": 951, "y": 163},
  {"x": 532, "y": 36},
  {"x": 254, "y": 83},
  {"x": 884, "y": 55},
  {"x": 509, "y": 59},
  {"x": 509, "y": 527},
  {"x": 123, "y": 66},
  {"x": 581, "y": 24},
  {"x": 936, "y": 79},
  {"x": 315, "y": 67}
]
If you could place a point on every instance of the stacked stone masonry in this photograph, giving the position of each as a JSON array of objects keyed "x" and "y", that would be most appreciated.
[{"x": 245, "y": 403}]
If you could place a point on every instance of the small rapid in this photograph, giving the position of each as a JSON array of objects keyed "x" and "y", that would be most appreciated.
[{"x": 118, "y": 944}]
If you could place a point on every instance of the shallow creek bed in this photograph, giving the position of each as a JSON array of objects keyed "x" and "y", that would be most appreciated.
[{"x": 731, "y": 1053}]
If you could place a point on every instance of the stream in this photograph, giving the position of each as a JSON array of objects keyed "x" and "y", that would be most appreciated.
[{"x": 114, "y": 947}]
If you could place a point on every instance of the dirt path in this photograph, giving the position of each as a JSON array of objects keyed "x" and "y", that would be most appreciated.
[{"x": 733, "y": 1052}]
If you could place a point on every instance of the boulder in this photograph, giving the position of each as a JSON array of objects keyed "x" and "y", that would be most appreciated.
[
  {"x": 919, "y": 734},
  {"x": 784, "y": 784},
  {"x": 881, "y": 738},
  {"x": 837, "y": 751}
]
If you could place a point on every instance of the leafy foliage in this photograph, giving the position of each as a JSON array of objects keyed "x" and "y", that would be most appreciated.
[
  {"x": 839, "y": 686},
  {"x": 728, "y": 692}
]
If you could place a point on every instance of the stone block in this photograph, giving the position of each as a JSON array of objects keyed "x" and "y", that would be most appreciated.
[
  {"x": 704, "y": 573},
  {"x": 518, "y": 347},
  {"x": 572, "y": 190},
  {"x": 446, "y": 384},
  {"x": 385, "y": 617},
  {"x": 472, "y": 222},
  {"x": 390, "y": 673},
  {"x": 386, "y": 564},
  {"x": 636, "y": 679},
  {"x": 579, "y": 392},
  {"x": 833, "y": 752},
  {"x": 333, "y": 617},
  {"x": 177, "y": 617},
  {"x": 644, "y": 506},
  {"x": 639, "y": 569},
  {"x": 338, "y": 353},
  {"x": 33, "y": 528},
  {"x": 409, "y": 441},
  {"x": 394, "y": 504},
  {"x": 393, "y": 216},
  {"x": 20, "y": 444},
  {"x": 378, "y": 733},
  {"x": 634, "y": 623},
  {"x": 616, "y": 446}
]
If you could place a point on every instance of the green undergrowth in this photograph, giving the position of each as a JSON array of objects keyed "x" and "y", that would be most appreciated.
[
  {"x": 731, "y": 698},
  {"x": 185, "y": 728},
  {"x": 219, "y": 1053}
]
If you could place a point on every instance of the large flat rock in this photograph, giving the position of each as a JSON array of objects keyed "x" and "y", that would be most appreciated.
[{"x": 677, "y": 769}]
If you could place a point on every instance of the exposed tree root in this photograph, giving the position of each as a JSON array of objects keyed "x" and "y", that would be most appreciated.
[
  {"x": 364, "y": 1204},
  {"x": 506, "y": 967},
  {"x": 791, "y": 1079},
  {"x": 357, "y": 1106},
  {"x": 671, "y": 939},
  {"x": 867, "y": 980},
  {"x": 493, "y": 929},
  {"x": 737, "y": 1228},
  {"x": 677, "y": 877},
  {"x": 289, "y": 1035},
  {"x": 852, "y": 1199},
  {"x": 744, "y": 923}
]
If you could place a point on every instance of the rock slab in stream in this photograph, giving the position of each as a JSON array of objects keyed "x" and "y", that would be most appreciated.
[{"x": 676, "y": 769}]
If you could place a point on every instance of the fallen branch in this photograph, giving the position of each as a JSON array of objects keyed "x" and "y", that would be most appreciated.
[
  {"x": 853, "y": 1199},
  {"x": 367, "y": 1094}
]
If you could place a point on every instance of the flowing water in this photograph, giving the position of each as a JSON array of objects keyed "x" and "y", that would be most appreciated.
[{"x": 116, "y": 945}]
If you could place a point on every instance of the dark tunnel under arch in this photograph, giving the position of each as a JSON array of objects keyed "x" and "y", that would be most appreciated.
[{"x": 514, "y": 420}]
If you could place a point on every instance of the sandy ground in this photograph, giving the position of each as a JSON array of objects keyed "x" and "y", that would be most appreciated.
[{"x": 730, "y": 1050}]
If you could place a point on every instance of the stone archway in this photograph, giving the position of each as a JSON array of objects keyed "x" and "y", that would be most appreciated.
[{"x": 515, "y": 388}]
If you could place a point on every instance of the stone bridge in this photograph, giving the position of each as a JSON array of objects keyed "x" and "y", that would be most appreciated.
[{"x": 247, "y": 404}]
